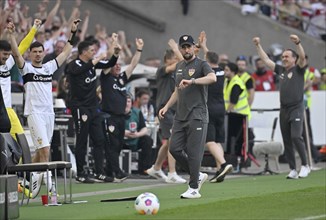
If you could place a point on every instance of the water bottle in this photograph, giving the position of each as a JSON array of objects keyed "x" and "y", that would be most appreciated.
[
  {"x": 151, "y": 113},
  {"x": 54, "y": 195}
]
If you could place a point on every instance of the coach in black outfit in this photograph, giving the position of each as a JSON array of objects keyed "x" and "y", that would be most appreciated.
[
  {"x": 84, "y": 105},
  {"x": 113, "y": 84}
]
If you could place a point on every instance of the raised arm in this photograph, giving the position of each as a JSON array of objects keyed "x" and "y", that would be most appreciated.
[
  {"x": 67, "y": 49},
  {"x": 300, "y": 51},
  {"x": 51, "y": 15},
  {"x": 174, "y": 47},
  {"x": 262, "y": 54},
  {"x": 15, "y": 52},
  {"x": 202, "y": 40},
  {"x": 135, "y": 59},
  {"x": 28, "y": 39}
]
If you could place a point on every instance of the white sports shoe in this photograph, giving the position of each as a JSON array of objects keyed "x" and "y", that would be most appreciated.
[
  {"x": 202, "y": 178},
  {"x": 292, "y": 175},
  {"x": 175, "y": 178},
  {"x": 36, "y": 185},
  {"x": 158, "y": 174},
  {"x": 190, "y": 194},
  {"x": 305, "y": 170}
]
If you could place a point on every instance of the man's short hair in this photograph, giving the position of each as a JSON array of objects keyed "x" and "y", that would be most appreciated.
[
  {"x": 212, "y": 57},
  {"x": 142, "y": 92},
  {"x": 169, "y": 54},
  {"x": 4, "y": 45},
  {"x": 84, "y": 45},
  {"x": 233, "y": 67},
  {"x": 36, "y": 44}
]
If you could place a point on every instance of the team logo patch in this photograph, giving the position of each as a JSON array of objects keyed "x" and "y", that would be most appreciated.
[
  {"x": 185, "y": 38},
  {"x": 84, "y": 118},
  {"x": 290, "y": 75},
  {"x": 111, "y": 128},
  {"x": 121, "y": 82},
  {"x": 39, "y": 141},
  {"x": 191, "y": 72},
  {"x": 282, "y": 76}
]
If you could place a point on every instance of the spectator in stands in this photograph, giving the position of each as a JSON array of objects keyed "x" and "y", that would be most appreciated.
[
  {"x": 263, "y": 77},
  {"x": 290, "y": 14},
  {"x": 136, "y": 136},
  {"x": 223, "y": 58}
]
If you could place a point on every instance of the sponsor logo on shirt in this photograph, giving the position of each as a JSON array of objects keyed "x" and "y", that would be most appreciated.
[
  {"x": 5, "y": 74},
  {"x": 89, "y": 79}
]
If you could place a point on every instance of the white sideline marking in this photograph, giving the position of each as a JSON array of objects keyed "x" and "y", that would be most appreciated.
[{"x": 311, "y": 217}]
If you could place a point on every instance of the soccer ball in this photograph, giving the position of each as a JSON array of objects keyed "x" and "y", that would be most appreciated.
[{"x": 147, "y": 204}]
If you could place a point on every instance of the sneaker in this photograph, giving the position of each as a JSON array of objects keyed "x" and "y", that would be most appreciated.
[
  {"x": 191, "y": 194},
  {"x": 36, "y": 185},
  {"x": 304, "y": 171},
  {"x": 84, "y": 179},
  {"x": 292, "y": 175},
  {"x": 158, "y": 174},
  {"x": 174, "y": 178},
  {"x": 119, "y": 177},
  {"x": 202, "y": 178},
  {"x": 220, "y": 175},
  {"x": 100, "y": 178}
]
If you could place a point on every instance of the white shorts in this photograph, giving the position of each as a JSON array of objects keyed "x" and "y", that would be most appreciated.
[{"x": 41, "y": 127}]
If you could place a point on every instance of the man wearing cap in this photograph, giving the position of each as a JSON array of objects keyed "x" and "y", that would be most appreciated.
[{"x": 190, "y": 123}]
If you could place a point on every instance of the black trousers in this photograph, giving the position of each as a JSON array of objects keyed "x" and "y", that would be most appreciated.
[
  {"x": 115, "y": 131},
  {"x": 88, "y": 122},
  {"x": 145, "y": 143},
  {"x": 291, "y": 123}
]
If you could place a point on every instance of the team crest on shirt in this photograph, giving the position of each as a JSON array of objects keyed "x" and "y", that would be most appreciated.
[
  {"x": 121, "y": 82},
  {"x": 39, "y": 141},
  {"x": 111, "y": 128},
  {"x": 282, "y": 76},
  {"x": 84, "y": 118},
  {"x": 290, "y": 74},
  {"x": 191, "y": 72}
]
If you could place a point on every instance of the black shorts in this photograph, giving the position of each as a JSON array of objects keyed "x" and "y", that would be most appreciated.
[
  {"x": 166, "y": 124},
  {"x": 216, "y": 129}
]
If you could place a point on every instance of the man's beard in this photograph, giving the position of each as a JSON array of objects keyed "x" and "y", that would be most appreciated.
[{"x": 188, "y": 56}]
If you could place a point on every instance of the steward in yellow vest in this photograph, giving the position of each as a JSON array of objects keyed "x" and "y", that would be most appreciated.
[{"x": 241, "y": 106}]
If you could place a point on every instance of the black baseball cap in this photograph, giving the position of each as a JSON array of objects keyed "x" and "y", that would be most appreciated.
[{"x": 186, "y": 39}]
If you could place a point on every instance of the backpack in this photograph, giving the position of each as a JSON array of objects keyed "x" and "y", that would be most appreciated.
[{"x": 10, "y": 152}]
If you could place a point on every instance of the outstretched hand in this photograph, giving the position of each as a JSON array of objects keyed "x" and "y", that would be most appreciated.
[
  {"x": 294, "y": 38},
  {"x": 75, "y": 24},
  {"x": 11, "y": 27},
  {"x": 256, "y": 40},
  {"x": 139, "y": 43}
]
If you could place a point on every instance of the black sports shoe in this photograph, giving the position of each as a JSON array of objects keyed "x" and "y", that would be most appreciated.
[
  {"x": 220, "y": 175},
  {"x": 102, "y": 178},
  {"x": 121, "y": 176},
  {"x": 84, "y": 179}
]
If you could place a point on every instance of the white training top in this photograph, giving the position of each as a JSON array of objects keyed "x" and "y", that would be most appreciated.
[
  {"x": 5, "y": 80},
  {"x": 38, "y": 87}
]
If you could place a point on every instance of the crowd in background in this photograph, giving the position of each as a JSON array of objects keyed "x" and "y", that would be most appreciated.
[{"x": 304, "y": 15}]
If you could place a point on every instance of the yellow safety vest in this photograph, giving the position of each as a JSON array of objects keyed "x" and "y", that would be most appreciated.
[
  {"x": 242, "y": 106},
  {"x": 307, "y": 93},
  {"x": 245, "y": 77},
  {"x": 322, "y": 85}
]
